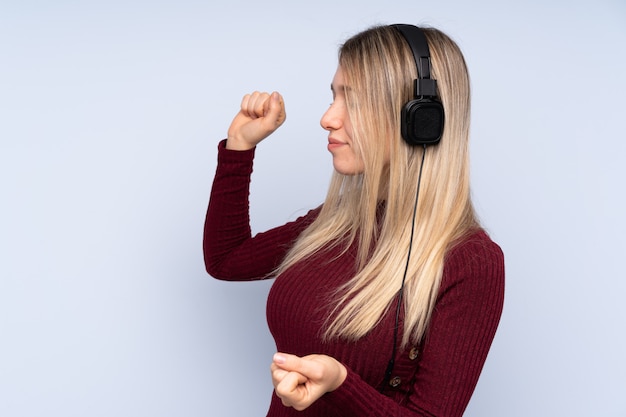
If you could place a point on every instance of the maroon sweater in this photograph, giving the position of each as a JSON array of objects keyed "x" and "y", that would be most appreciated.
[{"x": 436, "y": 378}]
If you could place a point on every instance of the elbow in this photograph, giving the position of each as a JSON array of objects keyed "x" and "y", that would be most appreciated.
[
  {"x": 222, "y": 270},
  {"x": 213, "y": 261},
  {"x": 214, "y": 269}
]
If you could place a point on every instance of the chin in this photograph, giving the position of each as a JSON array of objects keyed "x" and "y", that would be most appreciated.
[{"x": 347, "y": 170}]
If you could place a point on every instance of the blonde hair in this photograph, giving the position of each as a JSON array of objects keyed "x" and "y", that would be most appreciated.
[{"x": 379, "y": 68}]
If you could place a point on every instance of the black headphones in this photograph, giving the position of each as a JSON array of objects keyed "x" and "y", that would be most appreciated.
[
  {"x": 422, "y": 124},
  {"x": 423, "y": 117}
]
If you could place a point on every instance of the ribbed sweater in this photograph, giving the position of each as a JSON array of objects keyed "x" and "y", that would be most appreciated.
[{"x": 436, "y": 378}]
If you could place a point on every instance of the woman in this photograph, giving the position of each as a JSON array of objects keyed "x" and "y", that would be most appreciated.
[{"x": 387, "y": 296}]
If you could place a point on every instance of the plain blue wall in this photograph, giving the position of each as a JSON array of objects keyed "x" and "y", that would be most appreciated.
[{"x": 110, "y": 113}]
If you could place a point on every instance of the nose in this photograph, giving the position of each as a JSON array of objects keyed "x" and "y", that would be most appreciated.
[{"x": 330, "y": 119}]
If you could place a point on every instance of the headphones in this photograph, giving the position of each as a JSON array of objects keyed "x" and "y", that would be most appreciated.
[
  {"x": 423, "y": 117},
  {"x": 422, "y": 124}
]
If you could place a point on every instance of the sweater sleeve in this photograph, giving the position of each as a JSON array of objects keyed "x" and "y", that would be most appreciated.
[
  {"x": 230, "y": 251},
  {"x": 462, "y": 328}
]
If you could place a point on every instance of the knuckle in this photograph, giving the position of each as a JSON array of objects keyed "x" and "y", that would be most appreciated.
[{"x": 281, "y": 391}]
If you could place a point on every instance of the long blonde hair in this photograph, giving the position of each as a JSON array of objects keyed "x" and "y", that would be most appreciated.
[{"x": 379, "y": 68}]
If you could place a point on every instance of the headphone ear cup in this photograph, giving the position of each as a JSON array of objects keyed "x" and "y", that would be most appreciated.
[{"x": 422, "y": 122}]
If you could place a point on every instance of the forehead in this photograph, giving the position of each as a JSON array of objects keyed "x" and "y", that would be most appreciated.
[{"x": 338, "y": 82}]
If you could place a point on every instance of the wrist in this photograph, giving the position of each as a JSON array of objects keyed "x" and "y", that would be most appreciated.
[
  {"x": 341, "y": 377},
  {"x": 235, "y": 144}
]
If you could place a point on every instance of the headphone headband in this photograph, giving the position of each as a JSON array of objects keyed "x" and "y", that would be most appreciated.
[
  {"x": 423, "y": 117},
  {"x": 424, "y": 85}
]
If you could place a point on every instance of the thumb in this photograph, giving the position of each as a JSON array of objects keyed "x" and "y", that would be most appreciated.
[
  {"x": 293, "y": 363},
  {"x": 275, "y": 112}
]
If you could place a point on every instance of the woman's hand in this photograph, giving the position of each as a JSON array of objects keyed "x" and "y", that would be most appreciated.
[
  {"x": 260, "y": 115},
  {"x": 299, "y": 382}
]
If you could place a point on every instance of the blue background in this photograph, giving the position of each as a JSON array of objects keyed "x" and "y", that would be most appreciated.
[{"x": 110, "y": 114}]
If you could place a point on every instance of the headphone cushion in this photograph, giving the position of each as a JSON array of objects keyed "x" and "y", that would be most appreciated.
[{"x": 422, "y": 122}]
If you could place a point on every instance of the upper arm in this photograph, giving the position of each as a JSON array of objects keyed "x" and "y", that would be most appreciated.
[{"x": 462, "y": 328}]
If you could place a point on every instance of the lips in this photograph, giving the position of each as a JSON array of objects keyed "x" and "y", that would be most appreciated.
[{"x": 334, "y": 143}]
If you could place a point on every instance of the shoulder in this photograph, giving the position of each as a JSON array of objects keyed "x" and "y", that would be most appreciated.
[
  {"x": 476, "y": 246},
  {"x": 474, "y": 263}
]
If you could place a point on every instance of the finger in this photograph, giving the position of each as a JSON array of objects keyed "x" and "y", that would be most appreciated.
[
  {"x": 266, "y": 105},
  {"x": 277, "y": 374},
  {"x": 292, "y": 380},
  {"x": 249, "y": 103},
  {"x": 275, "y": 110},
  {"x": 256, "y": 105},
  {"x": 290, "y": 389},
  {"x": 293, "y": 363},
  {"x": 244, "y": 104}
]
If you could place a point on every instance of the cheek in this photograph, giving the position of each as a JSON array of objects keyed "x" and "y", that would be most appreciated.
[
  {"x": 348, "y": 127},
  {"x": 348, "y": 163}
]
